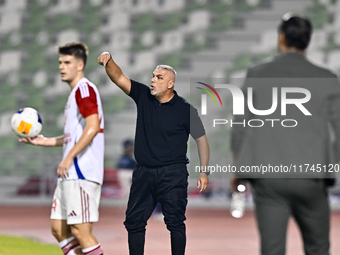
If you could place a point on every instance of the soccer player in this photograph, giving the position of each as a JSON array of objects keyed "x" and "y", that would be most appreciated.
[
  {"x": 77, "y": 195},
  {"x": 164, "y": 122}
]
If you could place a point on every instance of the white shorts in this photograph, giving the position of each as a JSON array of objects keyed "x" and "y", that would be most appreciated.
[{"x": 76, "y": 201}]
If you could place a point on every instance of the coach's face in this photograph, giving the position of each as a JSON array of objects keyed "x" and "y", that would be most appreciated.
[
  {"x": 70, "y": 68},
  {"x": 162, "y": 82}
]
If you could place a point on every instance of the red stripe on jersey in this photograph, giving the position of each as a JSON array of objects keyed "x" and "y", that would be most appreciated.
[
  {"x": 101, "y": 130},
  {"x": 86, "y": 99}
]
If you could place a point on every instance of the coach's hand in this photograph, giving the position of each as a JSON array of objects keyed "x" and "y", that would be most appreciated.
[
  {"x": 63, "y": 167},
  {"x": 234, "y": 182},
  {"x": 104, "y": 58},
  {"x": 202, "y": 182}
]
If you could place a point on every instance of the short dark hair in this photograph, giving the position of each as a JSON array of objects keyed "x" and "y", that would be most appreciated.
[
  {"x": 297, "y": 31},
  {"x": 127, "y": 143},
  {"x": 78, "y": 50}
]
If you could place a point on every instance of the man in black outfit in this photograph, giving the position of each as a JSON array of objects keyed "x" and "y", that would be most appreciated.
[
  {"x": 303, "y": 195},
  {"x": 164, "y": 122}
]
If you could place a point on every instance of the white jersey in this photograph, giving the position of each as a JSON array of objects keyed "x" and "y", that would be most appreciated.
[{"x": 84, "y": 100}]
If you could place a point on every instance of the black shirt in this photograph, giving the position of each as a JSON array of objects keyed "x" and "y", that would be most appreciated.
[{"x": 163, "y": 129}]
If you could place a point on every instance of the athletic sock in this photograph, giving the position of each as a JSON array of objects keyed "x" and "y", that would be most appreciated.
[
  {"x": 67, "y": 246},
  {"x": 94, "y": 250}
]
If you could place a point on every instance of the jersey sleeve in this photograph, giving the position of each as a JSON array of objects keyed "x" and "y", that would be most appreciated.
[
  {"x": 86, "y": 99},
  {"x": 137, "y": 89},
  {"x": 196, "y": 126}
]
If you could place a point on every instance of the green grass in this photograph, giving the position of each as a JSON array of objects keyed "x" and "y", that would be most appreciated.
[{"x": 10, "y": 245}]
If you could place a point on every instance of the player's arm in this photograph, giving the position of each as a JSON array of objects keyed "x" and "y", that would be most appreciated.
[
  {"x": 204, "y": 154},
  {"x": 40, "y": 140},
  {"x": 114, "y": 72},
  {"x": 91, "y": 129}
]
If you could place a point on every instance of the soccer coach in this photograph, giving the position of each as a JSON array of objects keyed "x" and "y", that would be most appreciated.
[{"x": 164, "y": 122}]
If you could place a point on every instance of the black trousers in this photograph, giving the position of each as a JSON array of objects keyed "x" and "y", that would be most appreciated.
[
  {"x": 306, "y": 200},
  {"x": 167, "y": 185}
]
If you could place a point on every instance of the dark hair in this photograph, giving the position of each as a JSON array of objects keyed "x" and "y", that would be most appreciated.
[
  {"x": 127, "y": 143},
  {"x": 297, "y": 31},
  {"x": 78, "y": 50}
]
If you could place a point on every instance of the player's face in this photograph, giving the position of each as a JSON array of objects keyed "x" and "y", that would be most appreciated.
[
  {"x": 161, "y": 82},
  {"x": 69, "y": 68}
]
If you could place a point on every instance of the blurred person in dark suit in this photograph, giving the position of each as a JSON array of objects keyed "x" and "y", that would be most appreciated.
[{"x": 304, "y": 145}]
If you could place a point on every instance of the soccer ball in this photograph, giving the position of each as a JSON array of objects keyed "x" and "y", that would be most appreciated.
[{"x": 26, "y": 122}]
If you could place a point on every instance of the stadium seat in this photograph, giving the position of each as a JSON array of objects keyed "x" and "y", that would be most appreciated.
[
  {"x": 170, "y": 21},
  {"x": 42, "y": 38},
  {"x": 197, "y": 20},
  {"x": 196, "y": 41},
  {"x": 90, "y": 22},
  {"x": 144, "y": 61},
  {"x": 325, "y": 2},
  {"x": 148, "y": 38},
  {"x": 58, "y": 88},
  {"x": 319, "y": 40},
  {"x": 64, "y": 21},
  {"x": 268, "y": 42},
  {"x": 317, "y": 57},
  {"x": 10, "y": 5},
  {"x": 95, "y": 3},
  {"x": 40, "y": 78},
  {"x": 173, "y": 59},
  {"x": 122, "y": 58},
  {"x": 171, "y": 6},
  {"x": 5, "y": 130},
  {"x": 143, "y": 22},
  {"x": 116, "y": 21},
  {"x": 67, "y": 36},
  {"x": 253, "y": 2},
  {"x": 146, "y": 6},
  {"x": 65, "y": 6},
  {"x": 121, "y": 40},
  {"x": 10, "y": 21},
  {"x": 336, "y": 37},
  {"x": 117, "y": 6},
  {"x": 170, "y": 41},
  {"x": 223, "y": 21},
  {"x": 334, "y": 60},
  {"x": 10, "y": 61}
]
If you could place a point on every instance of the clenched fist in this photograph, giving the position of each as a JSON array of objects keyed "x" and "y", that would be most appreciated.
[{"x": 104, "y": 58}]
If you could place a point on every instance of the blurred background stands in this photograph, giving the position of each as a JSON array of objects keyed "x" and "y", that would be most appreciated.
[{"x": 213, "y": 39}]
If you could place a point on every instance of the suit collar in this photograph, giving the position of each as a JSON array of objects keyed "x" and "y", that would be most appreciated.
[{"x": 293, "y": 54}]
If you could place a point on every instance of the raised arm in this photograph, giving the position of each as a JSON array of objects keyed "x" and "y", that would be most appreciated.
[{"x": 114, "y": 72}]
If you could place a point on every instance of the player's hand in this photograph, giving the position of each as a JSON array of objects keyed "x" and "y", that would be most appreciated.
[
  {"x": 234, "y": 182},
  {"x": 39, "y": 140},
  {"x": 202, "y": 182},
  {"x": 63, "y": 167},
  {"x": 104, "y": 58}
]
